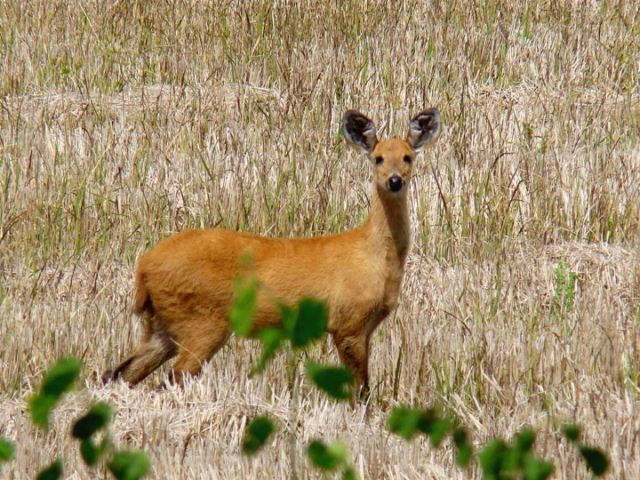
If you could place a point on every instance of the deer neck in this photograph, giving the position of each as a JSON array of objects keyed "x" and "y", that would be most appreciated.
[{"x": 388, "y": 226}]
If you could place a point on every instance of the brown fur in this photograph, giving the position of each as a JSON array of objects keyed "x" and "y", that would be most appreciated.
[{"x": 184, "y": 286}]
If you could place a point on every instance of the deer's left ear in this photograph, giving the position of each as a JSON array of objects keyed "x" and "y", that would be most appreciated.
[
  {"x": 359, "y": 130},
  {"x": 423, "y": 128}
]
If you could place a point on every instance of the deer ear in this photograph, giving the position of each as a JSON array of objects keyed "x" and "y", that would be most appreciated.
[
  {"x": 359, "y": 130},
  {"x": 423, "y": 128}
]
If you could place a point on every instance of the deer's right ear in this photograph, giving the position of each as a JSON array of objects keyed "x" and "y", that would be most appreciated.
[{"x": 359, "y": 130}]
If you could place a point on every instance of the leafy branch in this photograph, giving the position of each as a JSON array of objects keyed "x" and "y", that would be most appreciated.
[
  {"x": 301, "y": 325},
  {"x": 306, "y": 322},
  {"x": 58, "y": 381}
]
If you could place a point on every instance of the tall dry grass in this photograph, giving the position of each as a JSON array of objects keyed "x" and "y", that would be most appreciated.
[{"x": 123, "y": 122}]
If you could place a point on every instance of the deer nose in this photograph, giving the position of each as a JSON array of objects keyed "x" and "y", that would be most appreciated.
[{"x": 395, "y": 183}]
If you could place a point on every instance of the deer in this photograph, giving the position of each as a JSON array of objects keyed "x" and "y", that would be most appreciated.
[{"x": 184, "y": 285}]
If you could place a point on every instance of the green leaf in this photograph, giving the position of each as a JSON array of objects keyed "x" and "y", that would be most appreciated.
[
  {"x": 91, "y": 452},
  {"x": 52, "y": 472},
  {"x": 327, "y": 457},
  {"x": 271, "y": 339},
  {"x": 244, "y": 306},
  {"x": 438, "y": 430},
  {"x": 536, "y": 468},
  {"x": 40, "y": 407},
  {"x": 463, "y": 456},
  {"x": 596, "y": 460},
  {"x": 310, "y": 323},
  {"x": 525, "y": 440},
  {"x": 572, "y": 432},
  {"x": 465, "y": 450},
  {"x": 129, "y": 465},
  {"x": 426, "y": 423},
  {"x": 98, "y": 417},
  {"x": 61, "y": 377},
  {"x": 512, "y": 460},
  {"x": 257, "y": 434},
  {"x": 349, "y": 473},
  {"x": 492, "y": 456},
  {"x": 514, "y": 456},
  {"x": 7, "y": 450},
  {"x": 58, "y": 380},
  {"x": 406, "y": 422},
  {"x": 335, "y": 381},
  {"x": 288, "y": 317}
]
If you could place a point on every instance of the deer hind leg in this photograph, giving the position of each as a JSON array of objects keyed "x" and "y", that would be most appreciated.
[
  {"x": 156, "y": 348},
  {"x": 196, "y": 346},
  {"x": 354, "y": 353}
]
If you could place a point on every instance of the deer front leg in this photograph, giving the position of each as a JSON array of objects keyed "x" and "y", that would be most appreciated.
[{"x": 354, "y": 353}]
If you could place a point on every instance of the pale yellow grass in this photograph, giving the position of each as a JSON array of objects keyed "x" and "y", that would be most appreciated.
[{"x": 123, "y": 122}]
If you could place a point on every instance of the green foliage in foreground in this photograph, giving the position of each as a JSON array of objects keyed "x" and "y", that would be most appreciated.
[
  {"x": 301, "y": 325},
  {"x": 331, "y": 458},
  {"x": 306, "y": 322},
  {"x": 129, "y": 465},
  {"x": 244, "y": 306},
  {"x": 595, "y": 458},
  {"x": 7, "y": 451},
  {"x": 498, "y": 459},
  {"x": 52, "y": 472},
  {"x": 257, "y": 434},
  {"x": 407, "y": 422},
  {"x": 335, "y": 381},
  {"x": 60, "y": 379}
]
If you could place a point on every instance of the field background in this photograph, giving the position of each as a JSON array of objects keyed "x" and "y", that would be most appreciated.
[{"x": 123, "y": 122}]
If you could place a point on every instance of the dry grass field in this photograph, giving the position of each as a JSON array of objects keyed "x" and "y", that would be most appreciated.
[{"x": 122, "y": 122}]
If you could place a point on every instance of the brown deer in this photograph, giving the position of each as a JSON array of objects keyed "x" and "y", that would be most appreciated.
[{"x": 184, "y": 286}]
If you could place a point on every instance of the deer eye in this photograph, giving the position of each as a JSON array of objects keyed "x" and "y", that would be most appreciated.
[
  {"x": 407, "y": 159},
  {"x": 379, "y": 160}
]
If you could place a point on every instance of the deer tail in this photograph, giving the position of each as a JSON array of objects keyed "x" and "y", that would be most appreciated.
[{"x": 142, "y": 301}]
